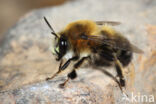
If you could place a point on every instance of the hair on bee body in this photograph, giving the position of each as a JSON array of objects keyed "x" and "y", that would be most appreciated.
[{"x": 95, "y": 42}]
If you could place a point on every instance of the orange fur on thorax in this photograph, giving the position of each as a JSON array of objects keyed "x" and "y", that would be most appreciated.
[{"x": 75, "y": 29}]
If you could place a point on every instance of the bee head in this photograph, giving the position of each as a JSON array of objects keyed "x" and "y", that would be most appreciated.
[{"x": 61, "y": 44}]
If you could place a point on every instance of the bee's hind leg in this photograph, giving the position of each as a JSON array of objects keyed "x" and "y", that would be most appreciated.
[
  {"x": 120, "y": 72},
  {"x": 72, "y": 75}
]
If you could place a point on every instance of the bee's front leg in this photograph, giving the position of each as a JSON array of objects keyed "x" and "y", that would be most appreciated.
[
  {"x": 63, "y": 67},
  {"x": 59, "y": 71}
]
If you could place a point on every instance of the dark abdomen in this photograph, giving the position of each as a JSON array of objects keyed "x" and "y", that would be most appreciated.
[
  {"x": 104, "y": 56},
  {"x": 125, "y": 57}
]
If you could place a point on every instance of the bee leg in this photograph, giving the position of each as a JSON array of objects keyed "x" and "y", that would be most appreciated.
[
  {"x": 72, "y": 75},
  {"x": 120, "y": 74},
  {"x": 120, "y": 71},
  {"x": 63, "y": 67},
  {"x": 59, "y": 71}
]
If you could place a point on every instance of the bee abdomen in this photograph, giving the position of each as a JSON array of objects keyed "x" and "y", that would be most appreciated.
[
  {"x": 105, "y": 58},
  {"x": 125, "y": 57}
]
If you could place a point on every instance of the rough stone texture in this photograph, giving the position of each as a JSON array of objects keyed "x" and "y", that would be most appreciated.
[
  {"x": 50, "y": 93},
  {"x": 25, "y": 58}
]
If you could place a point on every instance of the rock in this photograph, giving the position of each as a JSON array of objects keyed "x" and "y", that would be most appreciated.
[
  {"x": 25, "y": 58},
  {"x": 49, "y": 92}
]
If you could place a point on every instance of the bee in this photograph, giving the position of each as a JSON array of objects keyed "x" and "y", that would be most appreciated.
[{"x": 94, "y": 41}]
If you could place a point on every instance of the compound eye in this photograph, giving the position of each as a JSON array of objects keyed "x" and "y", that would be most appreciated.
[
  {"x": 62, "y": 46},
  {"x": 63, "y": 43}
]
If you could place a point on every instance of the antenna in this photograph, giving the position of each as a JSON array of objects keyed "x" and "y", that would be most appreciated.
[{"x": 53, "y": 32}]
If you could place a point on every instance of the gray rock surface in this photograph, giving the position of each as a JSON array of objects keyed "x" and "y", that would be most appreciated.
[
  {"x": 50, "y": 93},
  {"x": 25, "y": 58}
]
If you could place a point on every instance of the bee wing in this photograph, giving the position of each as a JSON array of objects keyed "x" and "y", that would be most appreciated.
[
  {"x": 113, "y": 43},
  {"x": 113, "y": 23},
  {"x": 136, "y": 49}
]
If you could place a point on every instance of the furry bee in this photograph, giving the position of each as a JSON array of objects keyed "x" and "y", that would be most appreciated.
[{"x": 96, "y": 42}]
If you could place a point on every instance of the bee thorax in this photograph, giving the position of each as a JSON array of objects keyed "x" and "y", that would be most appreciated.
[{"x": 84, "y": 54}]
